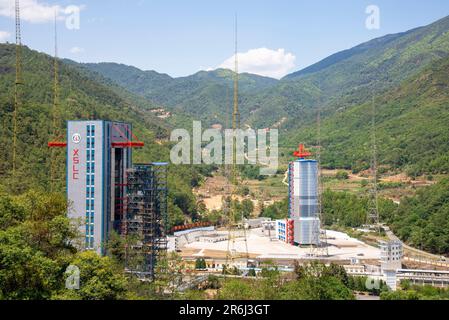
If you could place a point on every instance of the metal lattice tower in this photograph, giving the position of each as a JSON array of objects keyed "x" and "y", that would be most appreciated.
[
  {"x": 373, "y": 209},
  {"x": 320, "y": 250},
  {"x": 56, "y": 134},
  {"x": 17, "y": 85},
  {"x": 233, "y": 232},
  {"x": 144, "y": 226}
]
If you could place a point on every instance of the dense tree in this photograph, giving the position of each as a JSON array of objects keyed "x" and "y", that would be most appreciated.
[
  {"x": 314, "y": 282},
  {"x": 35, "y": 247}
]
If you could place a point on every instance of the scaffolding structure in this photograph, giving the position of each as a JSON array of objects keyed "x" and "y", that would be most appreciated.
[{"x": 145, "y": 220}]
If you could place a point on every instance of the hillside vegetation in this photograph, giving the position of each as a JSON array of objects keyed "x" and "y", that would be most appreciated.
[
  {"x": 423, "y": 221},
  {"x": 405, "y": 72},
  {"x": 206, "y": 95}
]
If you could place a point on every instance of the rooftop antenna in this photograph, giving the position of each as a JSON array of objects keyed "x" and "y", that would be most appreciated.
[
  {"x": 231, "y": 254},
  {"x": 18, "y": 83}
]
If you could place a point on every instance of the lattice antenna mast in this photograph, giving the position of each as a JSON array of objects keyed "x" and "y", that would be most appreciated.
[
  {"x": 235, "y": 126},
  {"x": 55, "y": 133},
  {"x": 322, "y": 248},
  {"x": 18, "y": 83},
  {"x": 373, "y": 210}
]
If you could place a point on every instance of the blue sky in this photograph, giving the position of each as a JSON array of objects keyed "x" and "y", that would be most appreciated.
[{"x": 181, "y": 37}]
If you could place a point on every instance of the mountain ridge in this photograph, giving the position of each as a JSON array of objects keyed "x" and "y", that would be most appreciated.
[{"x": 337, "y": 82}]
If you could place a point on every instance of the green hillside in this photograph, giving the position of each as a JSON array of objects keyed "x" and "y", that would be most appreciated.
[
  {"x": 351, "y": 77},
  {"x": 343, "y": 80},
  {"x": 411, "y": 127}
]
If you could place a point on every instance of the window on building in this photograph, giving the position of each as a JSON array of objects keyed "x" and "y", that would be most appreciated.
[{"x": 92, "y": 130}]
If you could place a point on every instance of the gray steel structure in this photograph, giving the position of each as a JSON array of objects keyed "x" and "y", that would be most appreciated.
[
  {"x": 145, "y": 221},
  {"x": 303, "y": 201},
  {"x": 96, "y": 182}
]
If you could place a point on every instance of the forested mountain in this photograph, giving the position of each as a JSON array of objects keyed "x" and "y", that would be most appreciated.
[
  {"x": 206, "y": 95},
  {"x": 423, "y": 221},
  {"x": 338, "y": 82},
  {"x": 83, "y": 95},
  {"x": 351, "y": 77},
  {"x": 405, "y": 72},
  {"x": 411, "y": 127}
]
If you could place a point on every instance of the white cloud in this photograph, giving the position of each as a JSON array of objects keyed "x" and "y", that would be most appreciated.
[
  {"x": 76, "y": 50},
  {"x": 4, "y": 35},
  {"x": 33, "y": 11},
  {"x": 264, "y": 62}
]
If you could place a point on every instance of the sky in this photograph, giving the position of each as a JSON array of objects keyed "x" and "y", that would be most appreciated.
[{"x": 180, "y": 38}]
